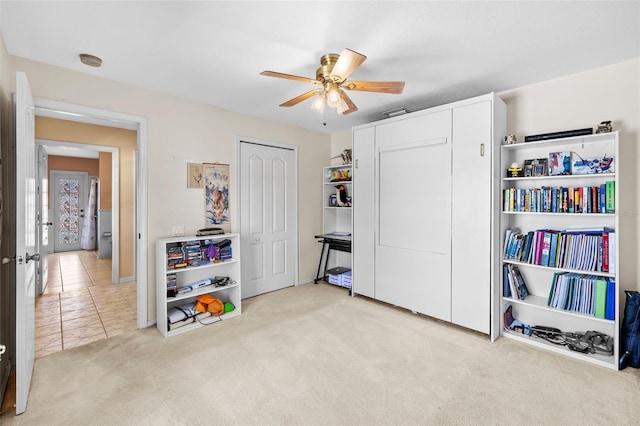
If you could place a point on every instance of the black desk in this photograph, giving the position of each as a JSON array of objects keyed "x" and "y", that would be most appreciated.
[{"x": 330, "y": 242}]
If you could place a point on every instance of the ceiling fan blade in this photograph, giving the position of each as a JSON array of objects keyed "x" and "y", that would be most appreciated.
[
  {"x": 351, "y": 107},
  {"x": 300, "y": 98},
  {"x": 289, "y": 77},
  {"x": 347, "y": 63},
  {"x": 375, "y": 86}
]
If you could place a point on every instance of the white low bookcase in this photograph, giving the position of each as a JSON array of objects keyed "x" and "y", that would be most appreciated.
[{"x": 191, "y": 274}]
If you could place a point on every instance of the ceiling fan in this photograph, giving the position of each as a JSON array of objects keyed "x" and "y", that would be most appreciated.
[{"x": 332, "y": 77}]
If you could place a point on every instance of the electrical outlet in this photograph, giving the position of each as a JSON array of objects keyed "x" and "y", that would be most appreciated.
[{"x": 177, "y": 231}]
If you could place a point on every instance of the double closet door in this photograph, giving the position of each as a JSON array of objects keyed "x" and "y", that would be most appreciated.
[{"x": 428, "y": 178}]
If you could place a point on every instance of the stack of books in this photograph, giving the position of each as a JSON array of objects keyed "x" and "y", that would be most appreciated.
[
  {"x": 581, "y": 249},
  {"x": 585, "y": 294}
]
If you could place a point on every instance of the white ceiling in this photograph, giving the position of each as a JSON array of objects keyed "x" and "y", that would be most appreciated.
[{"x": 214, "y": 51}]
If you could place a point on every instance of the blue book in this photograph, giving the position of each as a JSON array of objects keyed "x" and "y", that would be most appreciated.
[
  {"x": 506, "y": 291},
  {"x": 527, "y": 246},
  {"x": 610, "y": 310},
  {"x": 554, "y": 200},
  {"x": 553, "y": 250},
  {"x": 603, "y": 198}
]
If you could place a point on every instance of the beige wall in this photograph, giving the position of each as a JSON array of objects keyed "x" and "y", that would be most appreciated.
[
  {"x": 339, "y": 142},
  {"x": 125, "y": 140},
  {"x": 89, "y": 165},
  {"x": 105, "y": 172},
  {"x": 182, "y": 131}
]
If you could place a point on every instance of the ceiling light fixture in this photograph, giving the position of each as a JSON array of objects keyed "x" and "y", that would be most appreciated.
[
  {"x": 92, "y": 61},
  {"x": 330, "y": 95},
  {"x": 318, "y": 103}
]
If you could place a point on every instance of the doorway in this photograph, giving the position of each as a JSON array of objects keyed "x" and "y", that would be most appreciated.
[
  {"x": 90, "y": 115},
  {"x": 268, "y": 216},
  {"x": 94, "y": 160},
  {"x": 68, "y": 197},
  {"x": 26, "y": 108}
]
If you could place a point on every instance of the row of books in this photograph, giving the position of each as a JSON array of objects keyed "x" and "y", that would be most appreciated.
[
  {"x": 513, "y": 284},
  {"x": 583, "y": 199},
  {"x": 585, "y": 294},
  {"x": 198, "y": 252},
  {"x": 582, "y": 249}
]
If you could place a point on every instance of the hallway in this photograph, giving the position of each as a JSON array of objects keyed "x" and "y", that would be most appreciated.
[{"x": 80, "y": 304}]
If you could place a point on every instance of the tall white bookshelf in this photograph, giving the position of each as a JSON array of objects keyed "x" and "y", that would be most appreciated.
[
  {"x": 336, "y": 217},
  {"x": 534, "y": 310}
]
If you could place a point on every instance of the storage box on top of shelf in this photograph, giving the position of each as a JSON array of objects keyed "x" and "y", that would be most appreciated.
[{"x": 591, "y": 165}]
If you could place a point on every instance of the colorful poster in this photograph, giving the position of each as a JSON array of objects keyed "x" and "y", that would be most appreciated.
[{"x": 216, "y": 192}]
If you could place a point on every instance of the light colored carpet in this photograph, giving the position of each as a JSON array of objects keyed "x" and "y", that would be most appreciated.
[{"x": 312, "y": 355}]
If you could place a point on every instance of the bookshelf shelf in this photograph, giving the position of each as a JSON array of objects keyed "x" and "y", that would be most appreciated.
[
  {"x": 594, "y": 176},
  {"x": 167, "y": 276},
  {"x": 561, "y": 214},
  {"x": 542, "y": 279},
  {"x": 539, "y": 302},
  {"x": 577, "y": 271},
  {"x": 336, "y": 218},
  {"x": 207, "y": 266},
  {"x": 601, "y": 360}
]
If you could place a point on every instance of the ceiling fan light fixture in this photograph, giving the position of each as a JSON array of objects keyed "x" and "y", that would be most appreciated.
[
  {"x": 318, "y": 103},
  {"x": 342, "y": 106},
  {"x": 333, "y": 95},
  {"x": 331, "y": 79}
]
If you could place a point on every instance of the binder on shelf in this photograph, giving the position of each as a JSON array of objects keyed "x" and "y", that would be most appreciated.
[
  {"x": 610, "y": 310},
  {"x": 601, "y": 297}
]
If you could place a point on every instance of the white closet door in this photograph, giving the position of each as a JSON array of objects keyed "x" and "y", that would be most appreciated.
[
  {"x": 413, "y": 200},
  {"x": 268, "y": 224},
  {"x": 471, "y": 217},
  {"x": 363, "y": 219}
]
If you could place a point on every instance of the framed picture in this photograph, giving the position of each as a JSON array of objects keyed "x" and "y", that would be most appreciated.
[
  {"x": 528, "y": 168},
  {"x": 535, "y": 167},
  {"x": 216, "y": 195},
  {"x": 559, "y": 163},
  {"x": 194, "y": 176}
]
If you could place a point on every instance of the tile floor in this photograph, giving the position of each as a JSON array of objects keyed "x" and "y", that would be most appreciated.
[{"x": 80, "y": 304}]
